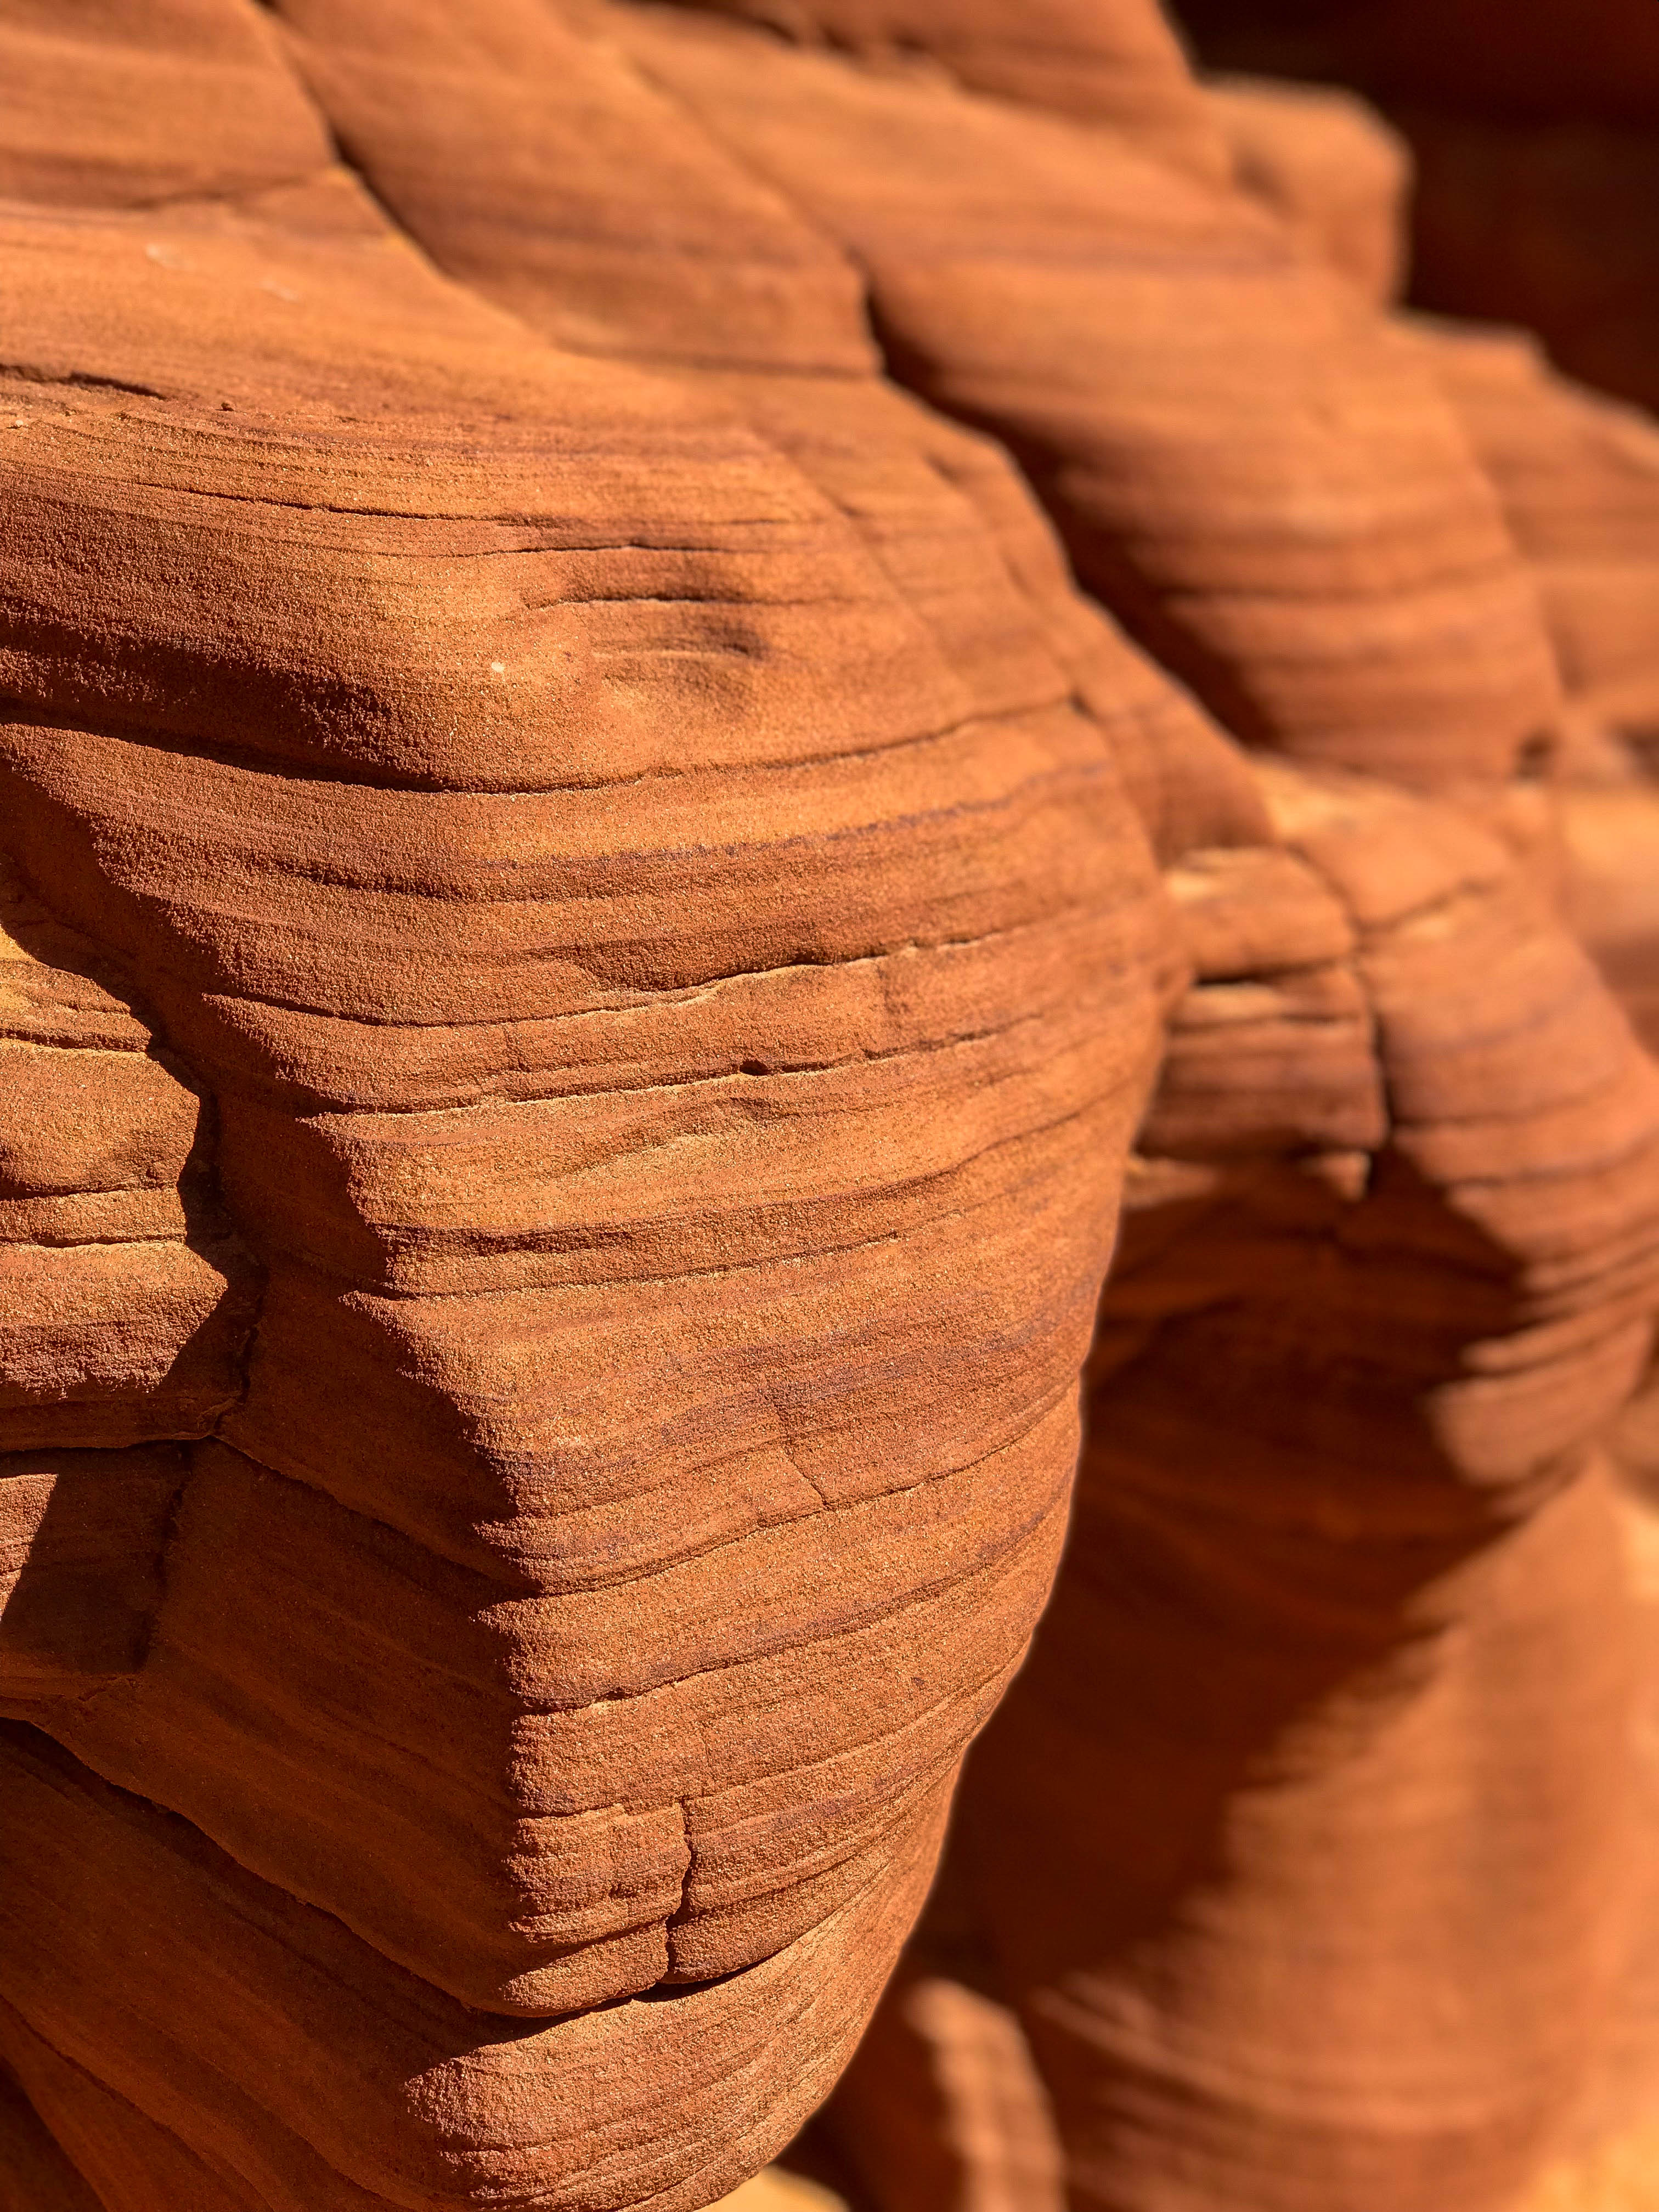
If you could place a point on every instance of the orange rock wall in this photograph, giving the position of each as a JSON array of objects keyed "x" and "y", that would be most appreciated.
[{"x": 585, "y": 950}]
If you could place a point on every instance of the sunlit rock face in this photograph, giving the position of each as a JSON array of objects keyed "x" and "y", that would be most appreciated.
[
  {"x": 573, "y": 1010},
  {"x": 679, "y": 690}
]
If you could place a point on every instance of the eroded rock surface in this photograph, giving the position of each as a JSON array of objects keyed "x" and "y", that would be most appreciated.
[
  {"x": 625, "y": 1007},
  {"x": 585, "y": 950}
]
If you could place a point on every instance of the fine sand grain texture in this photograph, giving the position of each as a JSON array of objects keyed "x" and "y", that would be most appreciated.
[{"x": 782, "y": 803}]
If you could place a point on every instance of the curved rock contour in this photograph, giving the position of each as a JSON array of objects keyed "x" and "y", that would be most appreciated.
[
  {"x": 627, "y": 1008},
  {"x": 588, "y": 889}
]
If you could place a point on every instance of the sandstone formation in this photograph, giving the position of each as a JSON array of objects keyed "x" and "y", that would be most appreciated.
[
  {"x": 1113, "y": 62},
  {"x": 1244, "y": 1850},
  {"x": 1579, "y": 477},
  {"x": 1532, "y": 130},
  {"x": 1327, "y": 167},
  {"x": 583, "y": 953},
  {"x": 35, "y": 2176},
  {"x": 1386, "y": 1618},
  {"x": 1165, "y": 1956},
  {"x": 558, "y": 930},
  {"x": 1163, "y": 364}
]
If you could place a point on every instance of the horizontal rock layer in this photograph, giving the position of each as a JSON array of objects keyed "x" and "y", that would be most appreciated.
[
  {"x": 525, "y": 896},
  {"x": 588, "y": 952}
]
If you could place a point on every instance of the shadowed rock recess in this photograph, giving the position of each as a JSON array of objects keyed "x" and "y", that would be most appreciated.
[{"x": 683, "y": 690}]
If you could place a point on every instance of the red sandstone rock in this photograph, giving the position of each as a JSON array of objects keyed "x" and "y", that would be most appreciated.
[
  {"x": 1328, "y": 167},
  {"x": 541, "y": 121},
  {"x": 35, "y": 2176},
  {"x": 621, "y": 902},
  {"x": 1248, "y": 366},
  {"x": 653, "y": 993},
  {"x": 1303, "y": 1845},
  {"x": 1613, "y": 858},
  {"x": 1163, "y": 362},
  {"x": 942, "y": 2103},
  {"x": 1532, "y": 132},
  {"x": 1579, "y": 478},
  {"x": 126, "y": 1299},
  {"x": 1112, "y": 62}
]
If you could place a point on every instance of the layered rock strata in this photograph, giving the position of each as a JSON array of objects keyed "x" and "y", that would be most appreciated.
[
  {"x": 1579, "y": 477},
  {"x": 1328, "y": 167},
  {"x": 1532, "y": 132},
  {"x": 607, "y": 876},
  {"x": 1302, "y": 1858},
  {"x": 1157, "y": 1953},
  {"x": 1325, "y": 1746},
  {"x": 601, "y": 1014}
]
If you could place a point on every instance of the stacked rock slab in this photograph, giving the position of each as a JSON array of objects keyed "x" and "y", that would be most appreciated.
[
  {"x": 1578, "y": 477},
  {"x": 1164, "y": 362},
  {"x": 1113, "y": 62},
  {"x": 526, "y": 124},
  {"x": 1472, "y": 2130}
]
